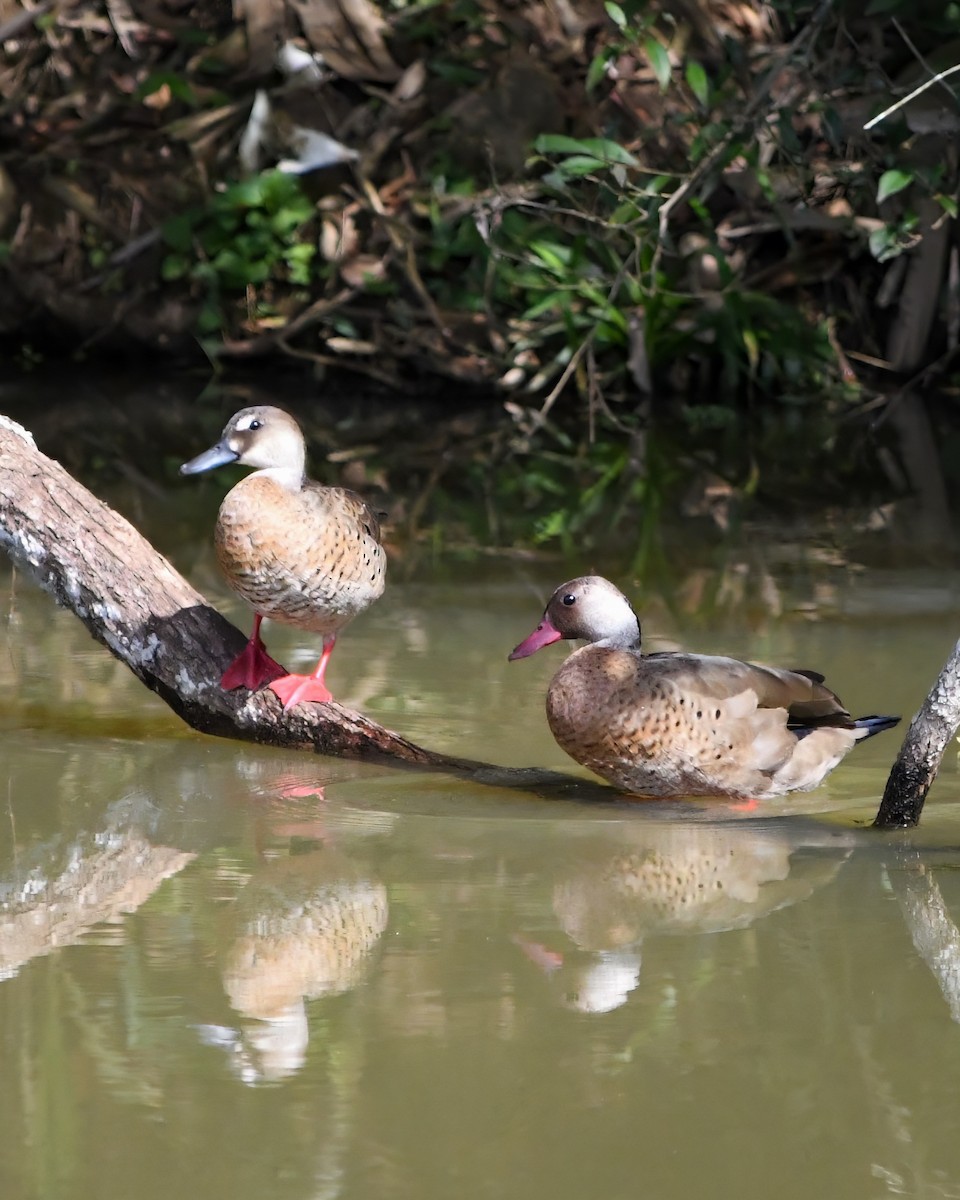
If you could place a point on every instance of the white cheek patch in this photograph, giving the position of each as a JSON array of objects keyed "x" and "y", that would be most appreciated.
[{"x": 244, "y": 423}]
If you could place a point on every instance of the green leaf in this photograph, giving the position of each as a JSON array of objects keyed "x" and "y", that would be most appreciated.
[
  {"x": 581, "y": 164},
  {"x": 552, "y": 303},
  {"x": 300, "y": 252},
  {"x": 883, "y": 244},
  {"x": 696, "y": 78},
  {"x": 762, "y": 176},
  {"x": 597, "y": 69},
  {"x": 660, "y": 61},
  {"x": 592, "y": 293},
  {"x": 752, "y": 347},
  {"x": 178, "y": 232},
  {"x": 616, "y": 14},
  {"x": 601, "y": 148},
  {"x": 891, "y": 182},
  {"x": 948, "y": 204},
  {"x": 174, "y": 266},
  {"x": 558, "y": 143},
  {"x": 552, "y": 255},
  {"x": 208, "y": 319},
  {"x": 299, "y": 258},
  {"x": 550, "y": 526}
]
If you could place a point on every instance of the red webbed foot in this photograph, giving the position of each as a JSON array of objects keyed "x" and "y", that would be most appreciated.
[
  {"x": 302, "y": 689},
  {"x": 253, "y": 666}
]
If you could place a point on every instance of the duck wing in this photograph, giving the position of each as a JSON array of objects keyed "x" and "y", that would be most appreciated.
[{"x": 802, "y": 693}]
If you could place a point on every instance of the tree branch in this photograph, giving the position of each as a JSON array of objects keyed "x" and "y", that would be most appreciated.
[{"x": 919, "y": 759}]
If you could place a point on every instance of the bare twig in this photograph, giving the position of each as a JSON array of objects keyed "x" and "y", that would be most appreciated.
[
  {"x": 564, "y": 379},
  {"x": 940, "y": 75},
  {"x": 402, "y": 242},
  {"x": 917, "y": 55}
]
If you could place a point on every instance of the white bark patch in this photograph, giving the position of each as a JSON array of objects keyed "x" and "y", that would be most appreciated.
[
  {"x": 71, "y": 589},
  {"x": 148, "y": 651},
  {"x": 187, "y": 687},
  {"x": 22, "y": 547},
  {"x": 13, "y": 427}
]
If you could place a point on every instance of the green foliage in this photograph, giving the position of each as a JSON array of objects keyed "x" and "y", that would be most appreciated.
[
  {"x": 574, "y": 274},
  {"x": 590, "y": 287},
  {"x": 659, "y": 246},
  {"x": 249, "y": 234},
  {"x": 891, "y": 182}
]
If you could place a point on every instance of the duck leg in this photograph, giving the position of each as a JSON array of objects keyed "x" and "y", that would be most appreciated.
[
  {"x": 253, "y": 666},
  {"x": 298, "y": 689}
]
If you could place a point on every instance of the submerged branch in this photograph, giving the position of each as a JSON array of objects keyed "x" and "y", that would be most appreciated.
[
  {"x": 93, "y": 562},
  {"x": 919, "y": 759}
]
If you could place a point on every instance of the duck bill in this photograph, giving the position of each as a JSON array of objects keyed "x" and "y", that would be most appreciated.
[
  {"x": 217, "y": 456},
  {"x": 543, "y": 635}
]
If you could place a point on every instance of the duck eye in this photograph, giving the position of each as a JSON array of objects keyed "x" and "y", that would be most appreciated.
[
  {"x": 569, "y": 599},
  {"x": 255, "y": 425}
]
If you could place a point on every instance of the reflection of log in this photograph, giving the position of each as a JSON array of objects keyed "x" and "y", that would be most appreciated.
[
  {"x": 919, "y": 759},
  {"x": 99, "y": 885},
  {"x": 130, "y": 598},
  {"x": 932, "y": 929}
]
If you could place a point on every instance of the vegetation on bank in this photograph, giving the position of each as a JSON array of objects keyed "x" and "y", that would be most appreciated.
[{"x": 661, "y": 235}]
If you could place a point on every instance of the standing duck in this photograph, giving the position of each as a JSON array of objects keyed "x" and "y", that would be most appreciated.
[
  {"x": 673, "y": 724},
  {"x": 298, "y": 552}
]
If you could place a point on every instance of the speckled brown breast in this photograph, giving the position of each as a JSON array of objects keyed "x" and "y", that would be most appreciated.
[
  {"x": 311, "y": 558},
  {"x": 674, "y": 724}
]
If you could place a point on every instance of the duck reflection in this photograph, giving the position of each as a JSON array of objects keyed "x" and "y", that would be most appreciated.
[
  {"x": 670, "y": 879},
  {"x": 302, "y": 928}
]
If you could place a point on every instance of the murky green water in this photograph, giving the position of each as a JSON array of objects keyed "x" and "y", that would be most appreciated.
[{"x": 228, "y": 971}]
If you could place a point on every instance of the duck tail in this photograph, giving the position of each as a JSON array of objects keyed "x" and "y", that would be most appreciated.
[{"x": 868, "y": 726}]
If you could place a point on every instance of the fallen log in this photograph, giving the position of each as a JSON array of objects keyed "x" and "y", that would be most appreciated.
[{"x": 130, "y": 598}]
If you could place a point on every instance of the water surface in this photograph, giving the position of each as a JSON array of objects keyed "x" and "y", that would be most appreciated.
[{"x": 230, "y": 971}]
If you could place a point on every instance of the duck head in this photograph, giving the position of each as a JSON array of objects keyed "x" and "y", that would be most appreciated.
[
  {"x": 590, "y": 609},
  {"x": 263, "y": 437}
]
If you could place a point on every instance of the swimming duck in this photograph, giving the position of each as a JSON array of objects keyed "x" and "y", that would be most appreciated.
[
  {"x": 298, "y": 552},
  {"x": 674, "y": 724}
]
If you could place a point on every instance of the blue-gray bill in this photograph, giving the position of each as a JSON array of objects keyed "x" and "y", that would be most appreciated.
[{"x": 217, "y": 456}]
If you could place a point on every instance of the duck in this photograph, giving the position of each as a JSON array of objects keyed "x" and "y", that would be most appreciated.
[
  {"x": 297, "y": 551},
  {"x": 672, "y": 724}
]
